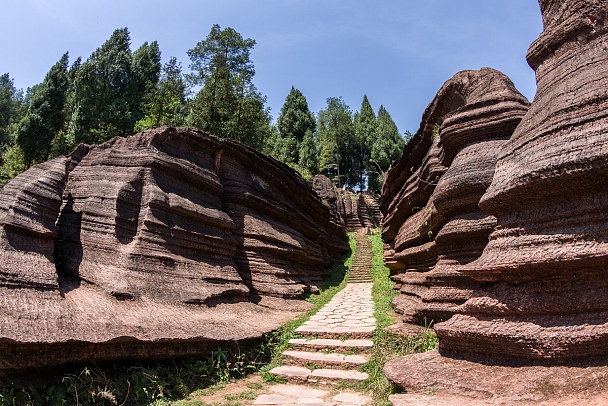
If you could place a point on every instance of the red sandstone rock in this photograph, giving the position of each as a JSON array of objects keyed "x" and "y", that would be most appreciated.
[
  {"x": 351, "y": 210},
  {"x": 432, "y": 223},
  {"x": 152, "y": 246},
  {"x": 545, "y": 265}
]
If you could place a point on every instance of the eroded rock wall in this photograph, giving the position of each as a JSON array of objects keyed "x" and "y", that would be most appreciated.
[
  {"x": 352, "y": 210},
  {"x": 544, "y": 268},
  {"x": 153, "y": 246},
  {"x": 432, "y": 222}
]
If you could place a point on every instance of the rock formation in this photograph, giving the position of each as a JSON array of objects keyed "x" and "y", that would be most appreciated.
[
  {"x": 432, "y": 221},
  {"x": 153, "y": 246},
  {"x": 352, "y": 210},
  {"x": 542, "y": 298},
  {"x": 545, "y": 265},
  {"x": 331, "y": 195}
]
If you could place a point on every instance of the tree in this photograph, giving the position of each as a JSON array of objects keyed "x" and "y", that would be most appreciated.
[
  {"x": 294, "y": 121},
  {"x": 9, "y": 106},
  {"x": 228, "y": 105},
  {"x": 365, "y": 135},
  {"x": 110, "y": 88},
  {"x": 335, "y": 135},
  {"x": 309, "y": 155},
  {"x": 166, "y": 104},
  {"x": 387, "y": 147},
  {"x": 45, "y": 115}
]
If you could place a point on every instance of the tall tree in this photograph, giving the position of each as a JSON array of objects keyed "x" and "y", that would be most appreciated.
[
  {"x": 110, "y": 87},
  {"x": 387, "y": 147},
  {"x": 166, "y": 105},
  {"x": 335, "y": 135},
  {"x": 228, "y": 105},
  {"x": 365, "y": 135},
  {"x": 294, "y": 121},
  {"x": 45, "y": 115},
  {"x": 9, "y": 106},
  {"x": 309, "y": 155}
]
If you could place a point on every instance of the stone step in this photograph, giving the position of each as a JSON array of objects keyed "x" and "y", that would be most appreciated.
[
  {"x": 336, "y": 345},
  {"x": 323, "y": 360},
  {"x": 336, "y": 332},
  {"x": 300, "y": 374}
]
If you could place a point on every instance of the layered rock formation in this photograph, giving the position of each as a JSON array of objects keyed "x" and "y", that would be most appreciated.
[
  {"x": 352, "y": 210},
  {"x": 432, "y": 221},
  {"x": 542, "y": 296},
  {"x": 545, "y": 294},
  {"x": 153, "y": 246}
]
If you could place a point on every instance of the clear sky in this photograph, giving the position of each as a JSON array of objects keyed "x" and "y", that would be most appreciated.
[{"x": 398, "y": 52}]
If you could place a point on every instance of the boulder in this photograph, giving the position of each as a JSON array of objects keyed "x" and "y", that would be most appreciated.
[
  {"x": 154, "y": 246},
  {"x": 432, "y": 222}
]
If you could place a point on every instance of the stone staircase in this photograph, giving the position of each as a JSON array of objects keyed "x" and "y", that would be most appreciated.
[
  {"x": 362, "y": 261},
  {"x": 336, "y": 341}
]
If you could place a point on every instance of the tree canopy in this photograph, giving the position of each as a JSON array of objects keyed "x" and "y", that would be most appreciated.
[
  {"x": 117, "y": 92},
  {"x": 228, "y": 104}
]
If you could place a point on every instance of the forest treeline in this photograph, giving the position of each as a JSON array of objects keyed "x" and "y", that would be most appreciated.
[{"x": 119, "y": 92}]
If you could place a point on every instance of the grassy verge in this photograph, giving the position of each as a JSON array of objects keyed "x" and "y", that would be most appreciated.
[{"x": 388, "y": 346}]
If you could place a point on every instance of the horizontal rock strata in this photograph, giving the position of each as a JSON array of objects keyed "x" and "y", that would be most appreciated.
[
  {"x": 432, "y": 221},
  {"x": 545, "y": 266},
  {"x": 154, "y": 246},
  {"x": 352, "y": 210}
]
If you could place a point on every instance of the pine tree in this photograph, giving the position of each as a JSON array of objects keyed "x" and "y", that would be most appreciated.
[
  {"x": 228, "y": 105},
  {"x": 9, "y": 107},
  {"x": 309, "y": 155},
  {"x": 294, "y": 121},
  {"x": 45, "y": 116},
  {"x": 387, "y": 147},
  {"x": 335, "y": 135},
  {"x": 166, "y": 105},
  {"x": 110, "y": 88},
  {"x": 365, "y": 135}
]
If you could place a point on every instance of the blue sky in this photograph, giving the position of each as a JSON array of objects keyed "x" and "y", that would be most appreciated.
[{"x": 398, "y": 52}]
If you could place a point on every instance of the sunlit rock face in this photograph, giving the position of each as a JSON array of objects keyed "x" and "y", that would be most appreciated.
[
  {"x": 351, "y": 210},
  {"x": 545, "y": 267},
  {"x": 432, "y": 220},
  {"x": 154, "y": 246}
]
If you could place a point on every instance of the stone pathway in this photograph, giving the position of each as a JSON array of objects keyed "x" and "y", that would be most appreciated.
[{"x": 336, "y": 342}]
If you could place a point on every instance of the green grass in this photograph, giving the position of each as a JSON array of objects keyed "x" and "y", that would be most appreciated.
[{"x": 387, "y": 346}]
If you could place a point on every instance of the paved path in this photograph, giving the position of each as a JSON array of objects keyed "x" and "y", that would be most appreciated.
[{"x": 337, "y": 340}]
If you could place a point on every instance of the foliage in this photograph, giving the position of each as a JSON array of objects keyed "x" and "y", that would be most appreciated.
[
  {"x": 386, "y": 148},
  {"x": 228, "y": 105},
  {"x": 45, "y": 115},
  {"x": 294, "y": 122},
  {"x": 309, "y": 155},
  {"x": 110, "y": 87},
  {"x": 166, "y": 104},
  {"x": 9, "y": 106},
  {"x": 140, "y": 384},
  {"x": 13, "y": 162},
  {"x": 335, "y": 135},
  {"x": 365, "y": 137}
]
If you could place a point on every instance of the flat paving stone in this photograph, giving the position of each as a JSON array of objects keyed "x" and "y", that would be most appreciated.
[
  {"x": 352, "y": 398},
  {"x": 272, "y": 399},
  {"x": 291, "y": 372},
  {"x": 339, "y": 374},
  {"x": 299, "y": 391}
]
